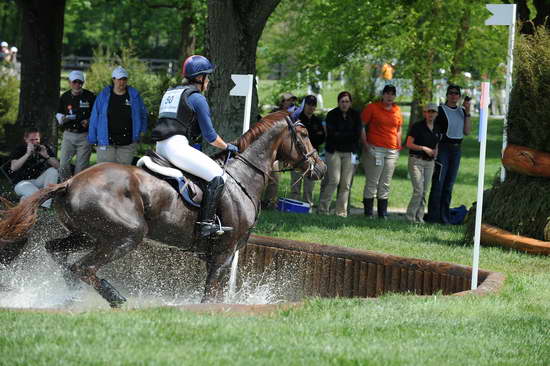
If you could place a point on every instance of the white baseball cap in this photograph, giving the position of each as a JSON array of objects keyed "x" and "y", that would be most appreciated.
[
  {"x": 13, "y": 49},
  {"x": 119, "y": 72},
  {"x": 76, "y": 75},
  {"x": 4, "y": 44}
]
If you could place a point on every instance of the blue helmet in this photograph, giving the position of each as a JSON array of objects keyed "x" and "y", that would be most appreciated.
[{"x": 196, "y": 65}]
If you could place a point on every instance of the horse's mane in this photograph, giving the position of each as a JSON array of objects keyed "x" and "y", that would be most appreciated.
[
  {"x": 264, "y": 124},
  {"x": 259, "y": 128}
]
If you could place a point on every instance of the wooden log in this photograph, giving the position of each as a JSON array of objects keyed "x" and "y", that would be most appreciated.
[
  {"x": 395, "y": 278},
  {"x": 403, "y": 283},
  {"x": 379, "y": 279},
  {"x": 371, "y": 280},
  {"x": 332, "y": 278},
  {"x": 340, "y": 276},
  {"x": 527, "y": 161},
  {"x": 418, "y": 282},
  {"x": 435, "y": 283},
  {"x": 325, "y": 277},
  {"x": 317, "y": 270},
  {"x": 363, "y": 276},
  {"x": 387, "y": 278},
  {"x": 492, "y": 235},
  {"x": 427, "y": 289},
  {"x": 356, "y": 279},
  {"x": 348, "y": 278}
]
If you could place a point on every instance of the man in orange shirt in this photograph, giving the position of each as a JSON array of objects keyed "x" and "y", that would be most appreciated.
[{"x": 382, "y": 142}]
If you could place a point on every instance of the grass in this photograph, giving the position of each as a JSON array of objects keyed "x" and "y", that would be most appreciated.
[{"x": 509, "y": 328}]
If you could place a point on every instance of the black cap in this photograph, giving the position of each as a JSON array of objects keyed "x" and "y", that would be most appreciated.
[
  {"x": 310, "y": 100},
  {"x": 389, "y": 89},
  {"x": 453, "y": 88}
]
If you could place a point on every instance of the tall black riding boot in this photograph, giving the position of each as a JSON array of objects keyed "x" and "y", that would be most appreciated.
[
  {"x": 382, "y": 209},
  {"x": 208, "y": 224},
  {"x": 368, "y": 203}
]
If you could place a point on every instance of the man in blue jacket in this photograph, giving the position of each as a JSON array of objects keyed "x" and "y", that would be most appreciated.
[{"x": 118, "y": 120}]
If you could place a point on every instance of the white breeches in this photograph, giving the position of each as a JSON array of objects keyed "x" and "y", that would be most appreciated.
[{"x": 178, "y": 151}]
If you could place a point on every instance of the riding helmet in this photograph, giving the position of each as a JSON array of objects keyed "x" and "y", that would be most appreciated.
[{"x": 196, "y": 65}]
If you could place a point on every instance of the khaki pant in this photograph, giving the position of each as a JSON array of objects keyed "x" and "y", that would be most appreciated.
[
  {"x": 340, "y": 170},
  {"x": 421, "y": 172},
  {"x": 25, "y": 188},
  {"x": 379, "y": 164},
  {"x": 116, "y": 154},
  {"x": 269, "y": 200},
  {"x": 74, "y": 144},
  {"x": 296, "y": 187}
]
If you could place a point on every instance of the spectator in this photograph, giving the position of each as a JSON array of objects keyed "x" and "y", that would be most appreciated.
[
  {"x": 343, "y": 135},
  {"x": 453, "y": 123},
  {"x": 118, "y": 120},
  {"x": 33, "y": 166},
  {"x": 73, "y": 115},
  {"x": 422, "y": 143},
  {"x": 305, "y": 114},
  {"x": 13, "y": 55},
  {"x": 382, "y": 143},
  {"x": 5, "y": 54},
  {"x": 269, "y": 199}
]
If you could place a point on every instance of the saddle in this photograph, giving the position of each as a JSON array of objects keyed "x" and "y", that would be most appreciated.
[{"x": 184, "y": 183}]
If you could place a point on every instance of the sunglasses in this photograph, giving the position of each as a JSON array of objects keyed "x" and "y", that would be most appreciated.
[{"x": 77, "y": 82}]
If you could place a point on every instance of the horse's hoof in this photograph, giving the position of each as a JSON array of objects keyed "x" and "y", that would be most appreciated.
[{"x": 111, "y": 294}]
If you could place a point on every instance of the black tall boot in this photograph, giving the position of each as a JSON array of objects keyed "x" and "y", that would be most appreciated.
[
  {"x": 368, "y": 203},
  {"x": 208, "y": 224},
  {"x": 382, "y": 209}
]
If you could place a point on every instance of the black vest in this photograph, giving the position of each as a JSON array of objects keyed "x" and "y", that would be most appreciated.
[{"x": 184, "y": 122}]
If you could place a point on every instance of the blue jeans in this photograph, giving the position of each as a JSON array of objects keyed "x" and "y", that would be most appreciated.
[{"x": 443, "y": 180}]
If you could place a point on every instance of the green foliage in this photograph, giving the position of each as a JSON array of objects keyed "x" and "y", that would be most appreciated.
[
  {"x": 151, "y": 86},
  {"x": 9, "y": 98},
  {"x": 528, "y": 123}
]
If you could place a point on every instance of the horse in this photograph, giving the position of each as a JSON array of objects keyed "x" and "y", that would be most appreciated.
[{"x": 108, "y": 209}]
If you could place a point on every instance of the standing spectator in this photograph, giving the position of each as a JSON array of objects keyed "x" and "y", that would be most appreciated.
[
  {"x": 118, "y": 120},
  {"x": 382, "y": 142},
  {"x": 73, "y": 115},
  {"x": 13, "y": 53},
  {"x": 32, "y": 166},
  {"x": 316, "y": 133},
  {"x": 269, "y": 199},
  {"x": 422, "y": 143},
  {"x": 453, "y": 123},
  {"x": 5, "y": 54},
  {"x": 343, "y": 129}
]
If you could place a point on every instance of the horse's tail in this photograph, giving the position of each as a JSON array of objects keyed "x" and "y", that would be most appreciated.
[{"x": 16, "y": 221}]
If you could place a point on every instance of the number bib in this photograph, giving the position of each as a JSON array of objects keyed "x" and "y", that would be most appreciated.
[{"x": 170, "y": 102}]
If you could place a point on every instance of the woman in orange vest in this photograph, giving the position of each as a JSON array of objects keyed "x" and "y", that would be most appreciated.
[{"x": 382, "y": 142}]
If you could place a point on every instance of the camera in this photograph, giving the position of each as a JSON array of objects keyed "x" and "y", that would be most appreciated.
[{"x": 467, "y": 98}]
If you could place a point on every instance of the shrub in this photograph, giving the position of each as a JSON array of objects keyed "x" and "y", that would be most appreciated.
[{"x": 9, "y": 99}]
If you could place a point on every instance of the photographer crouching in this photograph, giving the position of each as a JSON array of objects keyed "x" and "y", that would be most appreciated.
[{"x": 33, "y": 166}]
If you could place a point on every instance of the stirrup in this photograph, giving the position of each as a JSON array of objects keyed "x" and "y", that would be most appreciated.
[{"x": 208, "y": 228}]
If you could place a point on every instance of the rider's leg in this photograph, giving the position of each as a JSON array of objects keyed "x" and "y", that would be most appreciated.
[{"x": 177, "y": 150}]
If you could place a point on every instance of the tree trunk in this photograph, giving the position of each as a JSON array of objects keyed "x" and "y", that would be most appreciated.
[
  {"x": 460, "y": 44},
  {"x": 188, "y": 39},
  {"x": 42, "y": 30},
  {"x": 234, "y": 29}
]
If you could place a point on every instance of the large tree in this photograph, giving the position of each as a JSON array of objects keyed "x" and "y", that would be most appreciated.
[
  {"x": 41, "y": 46},
  {"x": 234, "y": 29}
]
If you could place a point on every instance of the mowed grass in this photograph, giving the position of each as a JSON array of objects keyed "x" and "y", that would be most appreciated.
[{"x": 508, "y": 328}]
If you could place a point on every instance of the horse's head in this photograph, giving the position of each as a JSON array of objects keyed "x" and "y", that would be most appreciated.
[{"x": 296, "y": 150}]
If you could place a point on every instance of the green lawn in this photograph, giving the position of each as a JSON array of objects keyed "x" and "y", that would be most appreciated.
[{"x": 509, "y": 328}]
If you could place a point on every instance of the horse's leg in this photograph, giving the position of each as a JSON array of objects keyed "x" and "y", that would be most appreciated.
[
  {"x": 59, "y": 250},
  {"x": 216, "y": 277},
  {"x": 104, "y": 253}
]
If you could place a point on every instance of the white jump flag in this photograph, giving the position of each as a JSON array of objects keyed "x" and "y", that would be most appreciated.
[
  {"x": 483, "y": 114},
  {"x": 505, "y": 14},
  {"x": 243, "y": 88}
]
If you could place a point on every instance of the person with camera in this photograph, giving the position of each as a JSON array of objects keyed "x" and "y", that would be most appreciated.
[
  {"x": 73, "y": 115},
  {"x": 33, "y": 166},
  {"x": 453, "y": 122}
]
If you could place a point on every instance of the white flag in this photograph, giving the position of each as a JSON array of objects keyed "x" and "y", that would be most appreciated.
[{"x": 503, "y": 14}]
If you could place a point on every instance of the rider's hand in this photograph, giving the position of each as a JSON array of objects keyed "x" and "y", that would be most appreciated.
[{"x": 232, "y": 148}]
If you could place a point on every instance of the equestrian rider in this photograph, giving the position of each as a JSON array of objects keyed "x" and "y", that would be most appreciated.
[{"x": 184, "y": 117}]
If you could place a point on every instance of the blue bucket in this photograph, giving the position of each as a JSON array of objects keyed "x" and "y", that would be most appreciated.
[{"x": 288, "y": 205}]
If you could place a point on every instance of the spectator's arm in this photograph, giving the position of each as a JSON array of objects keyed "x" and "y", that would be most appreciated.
[
  {"x": 399, "y": 136},
  {"x": 16, "y": 164},
  {"x": 94, "y": 120},
  {"x": 467, "y": 124}
]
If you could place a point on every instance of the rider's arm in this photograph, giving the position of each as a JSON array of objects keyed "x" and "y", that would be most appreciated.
[{"x": 200, "y": 106}]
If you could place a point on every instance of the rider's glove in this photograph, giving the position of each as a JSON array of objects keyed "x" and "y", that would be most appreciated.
[{"x": 232, "y": 148}]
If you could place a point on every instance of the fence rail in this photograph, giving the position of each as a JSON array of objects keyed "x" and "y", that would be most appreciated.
[{"x": 170, "y": 66}]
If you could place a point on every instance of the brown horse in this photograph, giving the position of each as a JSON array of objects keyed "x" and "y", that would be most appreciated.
[{"x": 109, "y": 208}]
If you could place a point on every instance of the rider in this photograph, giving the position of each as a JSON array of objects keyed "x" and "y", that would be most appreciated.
[{"x": 184, "y": 117}]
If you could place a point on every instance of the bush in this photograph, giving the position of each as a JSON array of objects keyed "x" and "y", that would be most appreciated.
[{"x": 9, "y": 99}]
